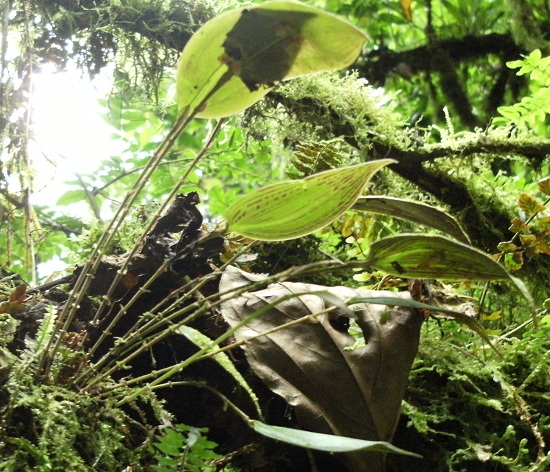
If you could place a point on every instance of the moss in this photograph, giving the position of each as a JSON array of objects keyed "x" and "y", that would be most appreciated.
[
  {"x": 52, "y": 427},
  {"x": 364, "y": 110},
  {"x": 278, "y": 256},
  {"x": 465, "y": 410}
]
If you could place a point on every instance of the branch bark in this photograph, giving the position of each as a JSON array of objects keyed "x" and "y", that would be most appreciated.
[{"x": 377, "y": 64}]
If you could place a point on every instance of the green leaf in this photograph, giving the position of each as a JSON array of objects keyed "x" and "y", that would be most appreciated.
[
  {"x": 413, "y": 211},
  {"x": 169, "y": 449},
  {"x": 325, "y": 442},
  {"x": 287, "y": 210},
  {"x": 433, "y": 257},
  {"x": 202, "y": 341},
  {"x": 234, "y": 59},
  {"x": 71, "y": 196}
]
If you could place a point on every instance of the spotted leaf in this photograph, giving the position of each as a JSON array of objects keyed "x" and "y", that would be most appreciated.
[
  {"x": 433, "y": 257},
  {"x": 291, "y": 209}
]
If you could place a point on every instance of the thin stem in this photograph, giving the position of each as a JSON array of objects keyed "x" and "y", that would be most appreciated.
[
  {"x": 92, "y": 264},
  {"x": 136, "y": 247},
  {"x": 204, "y": 385},
  {"x": 166, "y": 374}
]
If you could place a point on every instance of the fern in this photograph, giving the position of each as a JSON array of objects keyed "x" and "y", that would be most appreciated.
[
  {"x": 531, "y": 111},
  {"x": 185, "y": 448}
]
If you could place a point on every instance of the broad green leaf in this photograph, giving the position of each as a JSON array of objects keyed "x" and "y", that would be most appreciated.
[
  {"x": 325, "y": 442},
  {"x": 413, "y": 211},
  {"x": 234, "y": 59},
  {"x": 287, "y": 210},
  {"x": 433, "y": 257},
  {"x": 71, "y": 196},
  {"x": 202, "y": 341}
]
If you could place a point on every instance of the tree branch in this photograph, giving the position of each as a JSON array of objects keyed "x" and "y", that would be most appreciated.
[
  {"x": 99, "y": 22},
  {"x": 377, "y": 64},
  {"x": 483, "y": 217},
  {"x": 536, "y": 150}
]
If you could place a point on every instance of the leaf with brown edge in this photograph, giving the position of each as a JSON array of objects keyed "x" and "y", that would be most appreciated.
[
  {"x": 544, "y": 185},
  {"x": 292, "y": 209},
  {"x": 529, "y": 204},
  {"x": 518, "y": 225},
  {"x": 16, "y": 301}
]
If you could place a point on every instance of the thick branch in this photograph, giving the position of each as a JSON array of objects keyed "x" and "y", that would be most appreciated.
[
  {"x": 535, "y": 150},
  {"x": 379, "y": 63},
  {"x": 484, "y": 218}
]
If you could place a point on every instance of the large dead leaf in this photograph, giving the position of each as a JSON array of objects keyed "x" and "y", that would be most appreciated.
[{"x": 355, "y": 393}]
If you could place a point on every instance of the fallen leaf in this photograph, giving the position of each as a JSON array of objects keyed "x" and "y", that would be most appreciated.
[{"x": 355, "y": 393}]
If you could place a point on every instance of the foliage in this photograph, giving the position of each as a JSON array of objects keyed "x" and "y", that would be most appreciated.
[
  {"x": 288, "y": 210},
  {"x": 532, "y": 110},
  {"x": 52, "y": 427},
  {"x": 456, "y": 388},
  {"x": 185, "y": 448},
  {"x": 531, "y": 230}
]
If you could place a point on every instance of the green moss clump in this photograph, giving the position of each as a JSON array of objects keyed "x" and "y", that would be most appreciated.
[
  {"x": 52, "y": 427},
  {"x": 466, "y": 410}
]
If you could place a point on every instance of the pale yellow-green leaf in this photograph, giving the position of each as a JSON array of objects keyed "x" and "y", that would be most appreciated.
[
  {"x": 234, "y": 59},
  {"x": 291, "y": 209},
  {"x": 325, "y": 442},
  {"x": 203, "y": 341}
]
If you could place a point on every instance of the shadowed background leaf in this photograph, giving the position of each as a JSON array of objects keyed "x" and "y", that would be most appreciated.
[
  {"x": 419, "y": 213},
  {"x": 432, "y": 257}
]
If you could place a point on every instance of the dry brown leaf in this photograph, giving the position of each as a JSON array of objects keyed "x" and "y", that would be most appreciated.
[
  {"x": 354, "y": 393},
  {"x": 407, "y": 10}
]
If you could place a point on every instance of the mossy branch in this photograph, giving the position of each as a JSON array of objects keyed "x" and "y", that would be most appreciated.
[{"x": 536, "y": 149}]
